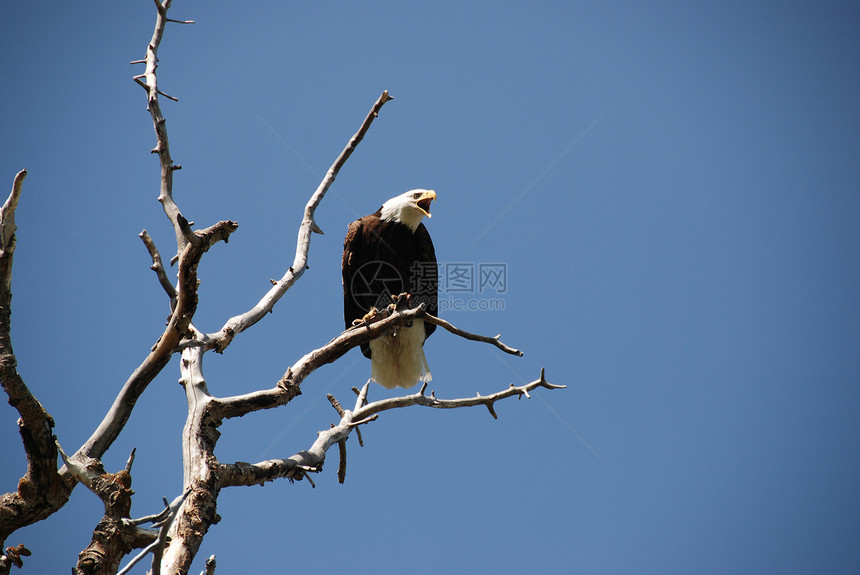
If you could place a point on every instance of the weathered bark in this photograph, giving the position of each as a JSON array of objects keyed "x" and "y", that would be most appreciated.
[
  {"x": 41, "y": 490},
  {"x": 199, "y": 437},
  {"x": 112, "y": 538}
]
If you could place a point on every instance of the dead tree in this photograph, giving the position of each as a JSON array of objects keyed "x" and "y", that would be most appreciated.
[{"x": 177, "y": 531}]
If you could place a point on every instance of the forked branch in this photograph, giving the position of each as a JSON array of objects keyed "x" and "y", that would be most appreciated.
[
  {"x": 297, "y": 466},
  {"x": 420, "y": 398},
  {"x": 163, "y": 521},
  {"x": 41, "y": 490},
  {"x": 149, "y": 81},
  {"x": 289, "y": 385},
  {"x": 237, "y": 324},
  {"x": 115, "y": 535}
]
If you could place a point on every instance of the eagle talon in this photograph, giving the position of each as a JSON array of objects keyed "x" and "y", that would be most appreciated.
[
  {"x": 366, "y": 318},
  {"x": 401, "y": 301}
]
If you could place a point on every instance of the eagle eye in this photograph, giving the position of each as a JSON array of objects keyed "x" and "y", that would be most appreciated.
[{"x": 416, "y": 196}]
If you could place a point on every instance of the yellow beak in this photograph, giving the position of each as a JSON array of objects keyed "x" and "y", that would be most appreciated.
[{"x": 423, "y": 202}]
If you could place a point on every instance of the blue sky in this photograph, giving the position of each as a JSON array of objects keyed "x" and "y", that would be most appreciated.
[{"x": 673, "y": 187}]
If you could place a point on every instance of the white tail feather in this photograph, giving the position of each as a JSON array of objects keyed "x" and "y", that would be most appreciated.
[{"x": 397, "y": 358}]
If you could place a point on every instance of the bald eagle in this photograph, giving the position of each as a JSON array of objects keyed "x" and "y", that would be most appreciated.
[{"x": 385, "y": 254}]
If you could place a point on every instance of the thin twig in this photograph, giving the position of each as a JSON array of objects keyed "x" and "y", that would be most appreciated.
[
  {"x": 137, "y": 558},
  {"x": 472, "y": 336},
  {"x": 83, "y": 469},
  {"x": 335, "y": 404},
  {"x": 341, "y": 468},
  {"x": 485, "y": 400},
  {"x": 7, "y": 214},
  {"x": 130, "y": 461},
  {"x": 158, "y": 267},
  {"x": 165, "y": 525},
  {"x": 163, "y": 520}
]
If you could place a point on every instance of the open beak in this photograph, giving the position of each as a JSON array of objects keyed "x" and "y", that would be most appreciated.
[{"x": 423, "y": 202}]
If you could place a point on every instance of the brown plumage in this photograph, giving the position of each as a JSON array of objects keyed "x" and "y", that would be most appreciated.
[{"x": 384, "y": 254}]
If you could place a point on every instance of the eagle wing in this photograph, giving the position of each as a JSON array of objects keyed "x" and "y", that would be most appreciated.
[
  {"x": 353, "y": 257},
  {"x": 428, "y": 290},
  {"x": 362, "y": 246}
]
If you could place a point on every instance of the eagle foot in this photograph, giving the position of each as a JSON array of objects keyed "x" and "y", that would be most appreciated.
[
  {"x": 366, "y": 318},
  {"x": 401, "y": 302}
]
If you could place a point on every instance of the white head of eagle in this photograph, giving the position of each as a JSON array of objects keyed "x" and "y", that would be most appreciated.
[
  {"x": 385, "y": 254},
  {"x": 408, "y": 208}
]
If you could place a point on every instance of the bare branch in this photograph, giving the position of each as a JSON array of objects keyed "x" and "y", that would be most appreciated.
[
  {"x": 341, "y": 468},
  {"x": 12, "y": 556},
  {"x": 115, "y": 535},
  {"x": 237, "y": 324},
  {"x": 421, "y": 399},
  {"x": 341, "y": 444},
  {"x": 158, "y": 267},
  {"x": 293, "y": 468},
  {"x": 248, "y": 474},
  {"x": 199, "y": 436},
  {"x": 165, "y": 524},
  {"x": 359, "y": 402},
  {"x": 210, "y": 566},
  {"x": 472, "y": 336},
  {"x": 187, "y": 232},
  {"x": 7, "y": 219},
  {"x": 163, "y": 520},
  {"x": 130, "y": 461},
  {"x": 31, "y": 411},
  {"x": 167, "y": 344},
  {"x": 188, "y": 258},
  {"x": 335, "y": 404},
  {"x": 169, "y": 97},
  {"x": 149, "y": 81},
  {"x": 289, "y": 385},
  {"x": 41, "y": 490},
  {"x": 137, "y": 558},
  {"x": 200, "y": 432},
  {"x": 84, "y": 469}
]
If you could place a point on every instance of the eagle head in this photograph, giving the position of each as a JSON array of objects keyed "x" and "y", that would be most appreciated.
[{"x": 409, "y": 208}]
